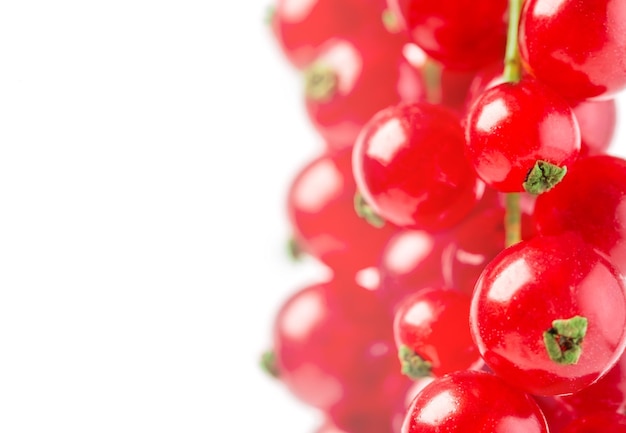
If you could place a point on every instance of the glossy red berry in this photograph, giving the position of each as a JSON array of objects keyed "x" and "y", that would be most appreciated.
[
  {"x": 409, "y": 165},
  {"x": 597, "y": 121},
  {"x": 431, "y": 330},
  {"x": 590, "y": 201},
  {"x": 600, "y": 422},
  {"x": 521, "y": 136},
  {"x": 445, "y": 86},
  {"x": 320, "y": 206},
  {"x": 347, "y": 84},
  {"x": 409, "y": 262},
  {"x": 486, "y": 78},
  {"x": 365, "y": 414},
  {"x": 301, "y": 27},
  {"x": 472, "y": 401},
  {"x": 329, "y": 427},
  {"x": 334, "y": 348},
  {"x": 608, "y": 393},
  {"x": 549, "y": 315},
  {"x": 461, "y": 34},
  {"x": 577, "y": 47},
  {"x": 474, "y": 243},
  {"x": 558, "y": 413}
]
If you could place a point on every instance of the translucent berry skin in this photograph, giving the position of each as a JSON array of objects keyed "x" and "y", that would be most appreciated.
[
  {"x": 576, "y": 47},
  {"x": 589, "y": 201},
  {"x": 380, "y": 424},
  {"x": 608, "y": 393},
  {"x": 472, "y": 401},
  {"x": 454, "y": 84},
  {"x": 597, "y": 121},
  {"x": 474, "y": 243},
  {"x": 320, "y": 205},
  {"x": 434, "y": 323},
  {"x": 512, "y": 126},
  {"x": 461, "y": 34},
  {"x": 530, "y": 285},
  {"x": 364, "y": 415},
  {"x": 409, "y": 262},
  {"x": 334, "y": 348},
  {"x": 558, "y": 413},
  {"x": 600, "y": 422},
  {"x": 301, "y": 27},
  {"x": 368, "y": 79},
  {"x": 329, "y": 427},
  {"x": 408, "y": 163}
]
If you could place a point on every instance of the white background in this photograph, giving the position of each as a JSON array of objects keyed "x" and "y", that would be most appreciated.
[{"x": 145, "y": 152}]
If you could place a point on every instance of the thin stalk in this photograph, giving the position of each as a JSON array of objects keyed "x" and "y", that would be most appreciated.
[
  {"x": 512, "y": 219},
  {"x": 512, "y": 70},
  {"x": 512, "y": 74}
]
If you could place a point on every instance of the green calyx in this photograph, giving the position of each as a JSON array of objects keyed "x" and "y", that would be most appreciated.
[
  {"x": 320, "y": 82},
  {"x": 270, "y": 13},
  {"x": 564, "y": 340},
  {"x": 366, "y": 212},
  {"x": 391, "y": 22},
  {"x": 413, "y": 365},
  {"x": 543, "y": 177},
  {"x": 268, "y": 363},
  {"x": 294, "y": 251}
]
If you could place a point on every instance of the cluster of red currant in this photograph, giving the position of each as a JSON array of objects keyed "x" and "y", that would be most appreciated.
[{"x": 466, "y": 204}]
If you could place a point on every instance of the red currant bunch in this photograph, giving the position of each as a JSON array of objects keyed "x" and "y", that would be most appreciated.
[{"x": 470, "y": 211}]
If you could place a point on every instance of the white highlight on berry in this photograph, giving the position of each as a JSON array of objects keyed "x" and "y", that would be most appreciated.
[
  {"x": 302, "y": 314},
  {"x": 547, "y": 8},
  {"x": 408, "y": 249},
  {"x": 387, "y": 140},
  {"x": 315, "y": 189},
  {"x": 491, "y": 115},
  {"x": 517, "y": 275},
  {"x": 438, "y": 409}
]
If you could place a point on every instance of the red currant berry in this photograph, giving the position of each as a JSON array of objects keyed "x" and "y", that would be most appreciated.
[
  {"x": 329, "y": 427},
  {"x": 301, "y": 27},
  {"x": 549, "y": 315},
  {"x": 321, "y": 211},
  {"x": 558, "y": 413},
  {"x": 597, "y": 121},
  {"x": 476, "y": 241},
  {"x": 334, "y": 346},
  {"x": 431, "y": 330},
  {"x": 444, "y": 86},
  {"x": 409, "y": 165},
  {"x": 577, "y": 47},
  {"x": 521, "y": 136},
  {"x": 472, "y": 401},
  {"x": 608, "y": 393},
  {"x": 364, "y": 415},
  {"x": 461, "y": 34},
  {"x": 409, "y": 262},
  {"x": 347, "y": 84},
  {"x": 600, "y": 422},
  {"x": 590, "y": 201},
  {"x": 486, "y": 78}
]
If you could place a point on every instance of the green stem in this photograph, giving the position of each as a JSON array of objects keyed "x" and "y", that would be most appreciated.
[
  {"x": 512, "y": 70},
  {"x": 512, "y": 219},
  {"x": 294, "y": 251},
  {"x": 366, "y": 212},
  {"x": 431, "y": 73},
  {"x": 268, "y": 363},
  {"x": 270, "y": 13},
  {"x": 512, "y": 74}
]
